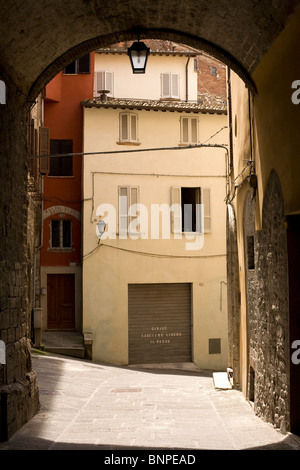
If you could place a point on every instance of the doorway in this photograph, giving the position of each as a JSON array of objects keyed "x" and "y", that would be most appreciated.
[
  {"x": 293, "y": 242},
  {"x": 61, "y": 301}
]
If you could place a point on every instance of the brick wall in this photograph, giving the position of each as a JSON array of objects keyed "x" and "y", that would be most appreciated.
[{"x": 211, "y": 79}]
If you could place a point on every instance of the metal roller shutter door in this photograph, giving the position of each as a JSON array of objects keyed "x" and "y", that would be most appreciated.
[{"x": 159, "y": 323}]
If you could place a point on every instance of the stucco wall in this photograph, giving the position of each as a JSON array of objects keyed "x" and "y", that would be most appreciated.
[
  {"x": 147, "y": 86},
  {"x": 108, "y": 268}
]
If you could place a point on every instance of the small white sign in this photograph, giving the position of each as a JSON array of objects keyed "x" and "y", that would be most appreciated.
[
  {"x": 2, "y": 92},
  {"x": 2, "y": 353}
]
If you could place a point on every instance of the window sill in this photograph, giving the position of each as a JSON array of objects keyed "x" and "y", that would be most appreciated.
[
  {"x": 60, "y": 250},
  {"x": 57, "y": 176},
  {"x": 171, "y": 98},
  {"x": 128, "y": 143},
  {"x": 187, "y": 145}
]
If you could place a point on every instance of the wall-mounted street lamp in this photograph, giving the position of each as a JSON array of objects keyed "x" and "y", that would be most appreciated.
[
  {"x": 138, "y": 53},
  {"x": 101, "y": 229}
]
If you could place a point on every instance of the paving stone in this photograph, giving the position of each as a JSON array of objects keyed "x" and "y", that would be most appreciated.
[{"x": 172, "y": 410}]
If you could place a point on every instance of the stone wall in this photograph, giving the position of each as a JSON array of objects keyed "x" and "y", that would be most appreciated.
[
  {"x": 252, "y": 289},
  {"x": 267, "y": 305},
  {"x": 19, "y": 398}
]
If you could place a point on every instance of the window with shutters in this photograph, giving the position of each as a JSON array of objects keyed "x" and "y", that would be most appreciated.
[
  {"x": 78, "y": 66},
  {"x": 61, "y": 163},
  {"x": 128, "y": 128},
  {"x": 128, "y": 208},
  {"x": 61, "y": 233},
  {"x": 44, "y": 149},
  {"x": 191, "y": 201},
  {"x": 189, "y": 130},
  {"x": 170, "y": 86},
  {"x": 104, "y": 81}
]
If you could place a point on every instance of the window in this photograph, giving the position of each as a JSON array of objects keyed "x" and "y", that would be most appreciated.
[
  {"x": 189, "y": 130},
  {"x": 213, "y": 71},
  {"x": 61, "y": 166},
  {"x": 128, "y": 127},
  {"x": 214, "y": 346},
  {"x": 128, "y": 198},
  {"x": 61, "y": 233},
  {"x": 250, "y": 252},
  {"x": 191, "y": 201},
  {"x": 170, "y": 86},
  {"x": 195, "y": 65},
  {"x": 81, "y": 65},
  {"x": 104, "y": 81},
  {"x": 190, "y": 197}
]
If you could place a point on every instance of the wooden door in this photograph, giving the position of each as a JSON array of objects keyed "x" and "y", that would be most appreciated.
[{"x": 61, "y": 301}]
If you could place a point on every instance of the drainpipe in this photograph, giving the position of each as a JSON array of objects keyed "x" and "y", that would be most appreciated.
[
  {"x": 187, "y": 80},
  {"x": 230, "y": 119}
]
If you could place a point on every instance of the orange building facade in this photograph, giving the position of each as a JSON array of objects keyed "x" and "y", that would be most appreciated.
[{"x": 62, "y": 199}]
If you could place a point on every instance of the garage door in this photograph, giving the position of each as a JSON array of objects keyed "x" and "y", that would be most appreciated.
[{"x": 159, "y": 323}]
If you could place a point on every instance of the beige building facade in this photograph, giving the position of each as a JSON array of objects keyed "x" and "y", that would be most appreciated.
[{"x": 154, "y": 284}]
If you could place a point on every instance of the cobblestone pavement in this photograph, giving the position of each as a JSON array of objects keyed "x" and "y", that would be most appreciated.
[{"x": 93, "y": 406}]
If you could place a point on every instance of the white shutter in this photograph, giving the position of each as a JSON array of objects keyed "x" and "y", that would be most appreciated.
[
  {"x": 189, "y": 130},
  {"x": 175, "y": 85},
  {"x": 124, "y": 131},
  {"x": 206, "y": 201},
  {"x": 123, "y": 211},
  {"x": 194, "y": 130},
  {"x": 176, "y": 217},
  {"x": 109, "y": 83},
  {"x": 165, "y": 85},
  {"x": 128, "y": 127},
  {"x": 133, "y": 127},
  {"x": 103, "y": 81},
  {"x": 134, "y": 201},
  {"x": 97, "y": 83},
  {"x": 170, "y": 85},
  {"x": 185, "y": 130}
]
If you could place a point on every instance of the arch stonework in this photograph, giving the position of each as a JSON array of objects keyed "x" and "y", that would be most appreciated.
[
  {"x": 38, "y": 42},
  {"x": 61, "y": 209}
]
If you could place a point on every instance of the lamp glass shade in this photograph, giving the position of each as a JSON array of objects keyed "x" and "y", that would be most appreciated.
[
  {"x": 101, "y": 228},
  {"x": 138, "y": 53}
]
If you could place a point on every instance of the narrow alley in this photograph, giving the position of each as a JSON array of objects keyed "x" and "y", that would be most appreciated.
[{"x": 88, "y": 406}]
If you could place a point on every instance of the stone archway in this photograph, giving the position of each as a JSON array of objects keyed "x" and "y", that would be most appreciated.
[{"x": 38, "y": 42}]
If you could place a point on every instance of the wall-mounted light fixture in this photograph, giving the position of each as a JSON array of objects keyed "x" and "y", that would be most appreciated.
[
  {"x": 138, "y": 53},
  {"x": 101, "y": 229}
]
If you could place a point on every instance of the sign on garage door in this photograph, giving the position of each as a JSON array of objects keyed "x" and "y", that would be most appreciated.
[{"x": 159, "y": 323}]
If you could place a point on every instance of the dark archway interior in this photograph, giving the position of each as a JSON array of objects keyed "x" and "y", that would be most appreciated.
[{"x": 37, "y": 42}]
